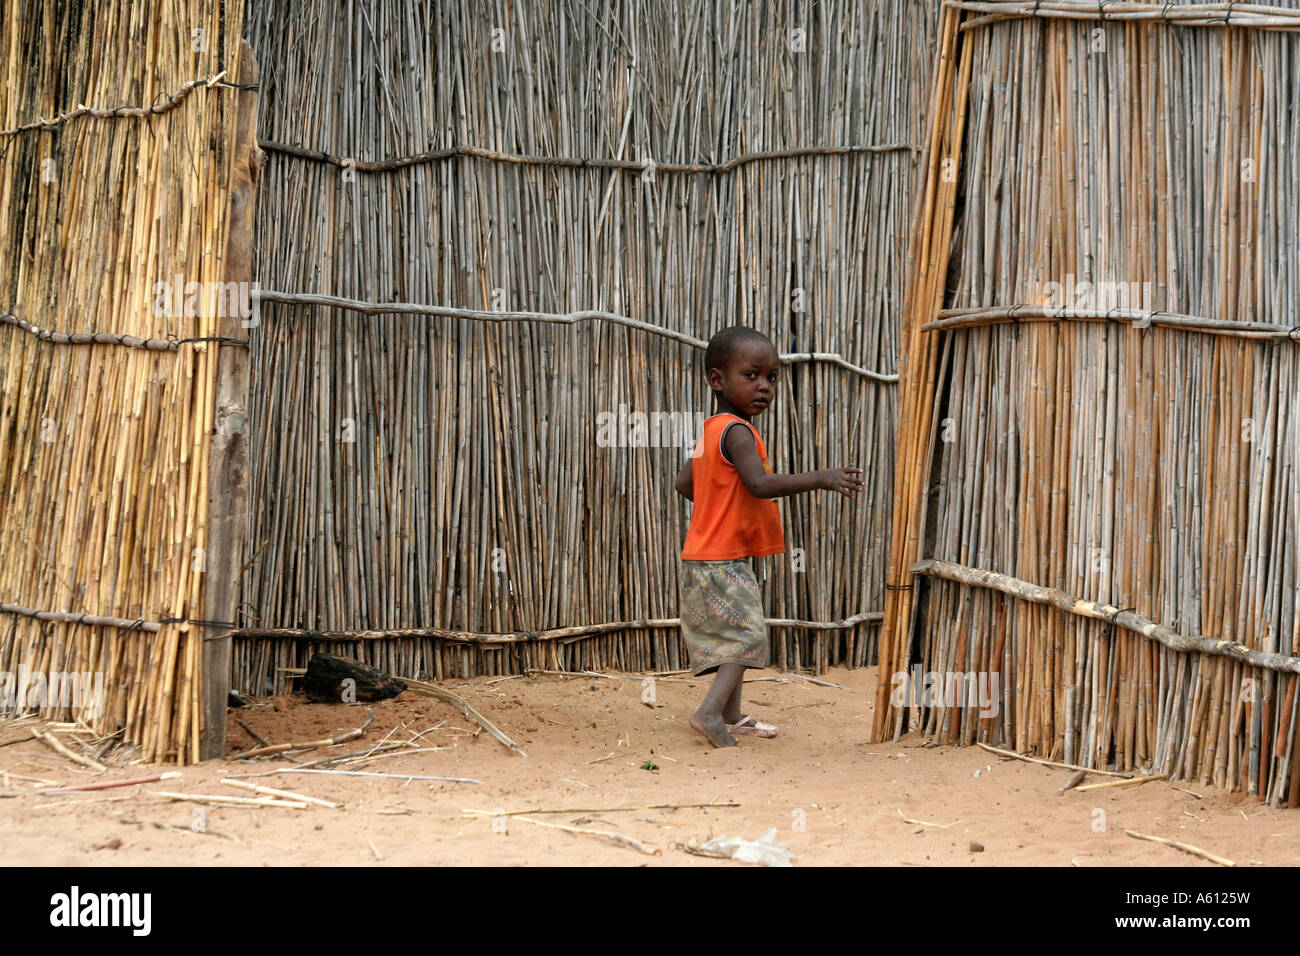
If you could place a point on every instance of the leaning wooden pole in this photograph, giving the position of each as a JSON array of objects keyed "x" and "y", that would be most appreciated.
[
  {"x": 928, "y": 253},
  {"x": 228, "y": 453}
]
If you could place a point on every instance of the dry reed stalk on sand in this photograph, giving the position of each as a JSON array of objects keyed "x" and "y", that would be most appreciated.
[
  {"x": 1185, "y": 847},
  {"x": 222, "y": 799},
  {"x": 307, "y": 745}
]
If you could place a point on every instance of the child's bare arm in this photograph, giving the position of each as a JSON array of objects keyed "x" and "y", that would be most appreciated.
[
  {"x": 744, "y": 452},
  {"x": 686, "y": 481}
]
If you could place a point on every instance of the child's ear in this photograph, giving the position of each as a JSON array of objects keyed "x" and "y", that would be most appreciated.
[{"x": 715, "y": 379}]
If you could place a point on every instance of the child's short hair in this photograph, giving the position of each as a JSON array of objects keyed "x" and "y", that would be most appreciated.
[{"x": 723, "y": 345}]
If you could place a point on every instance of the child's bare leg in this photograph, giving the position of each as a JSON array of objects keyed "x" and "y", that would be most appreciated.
[
  {"x": 731, "y": 709},
  {"x": 708, "y": 719}
]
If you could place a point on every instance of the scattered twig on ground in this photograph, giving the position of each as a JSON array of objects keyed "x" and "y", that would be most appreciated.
[
  {"x": 109, "y": 742},
  {"x": 283, "y": 794},
  {"x": 222, "y": 799},
  {"x": 1049, "y": 763},
  {"x": 927, "y": 823},
  {"x": 82, "y": 803},
  {"x": 696, "y": 851},
  {"x": 110, "y": 784},
  {"x": 437, "y": 726},
  {"x": 57, "y": 746},
  {"x": 398, "y": 752},
  {"x": 383, "y": 741},
  {"x": 1075, "y": 779},
  {"x": 814, "y": 680},
  {"x": 538, "y": 670},
  {"x": 360, "y": 773},
  {"x": 172, "y": 826},
  {"x": 650, "y": 806},
  {"x": 86, "y": 748},
  {"x": 262, "y": 741},
  {"x": 618, "y": 838},
  {"x": 310, "y": 745},
  {"x": 462, "y": 705},
  {"x": 1185, "y": 847},
  {"x": 20, "y": 776},
  {"x": 1121, "y": 783},
  {"x": 339, "y": 758}
]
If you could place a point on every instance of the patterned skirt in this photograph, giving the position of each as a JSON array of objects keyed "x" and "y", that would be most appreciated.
[{"x": 722, "y": 615}]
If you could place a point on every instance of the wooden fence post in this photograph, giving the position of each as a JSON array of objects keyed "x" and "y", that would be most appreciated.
[{"x": 228, "y": 455}]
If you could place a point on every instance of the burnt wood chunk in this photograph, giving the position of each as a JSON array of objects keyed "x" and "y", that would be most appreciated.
[{"x": 328, "y": 675}]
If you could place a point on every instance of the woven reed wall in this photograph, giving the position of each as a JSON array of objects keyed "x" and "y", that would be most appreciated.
[
  {"x": 103, "y": 447},
  {"x": 1151, "y": 469},
  {"x": 412, "y": 471}
]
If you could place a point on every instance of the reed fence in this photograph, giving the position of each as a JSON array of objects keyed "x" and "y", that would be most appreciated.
[
  {"x": 482, "y": 227},
  {"x": 1096, "y": 501},
  {"x": 116, "y": 165}
]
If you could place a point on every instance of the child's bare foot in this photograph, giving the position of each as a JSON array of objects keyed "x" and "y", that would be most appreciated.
[{"x": 713, "y": 727}]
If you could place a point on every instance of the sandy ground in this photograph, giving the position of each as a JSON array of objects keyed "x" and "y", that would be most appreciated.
[{"x": 833, "y": 799}]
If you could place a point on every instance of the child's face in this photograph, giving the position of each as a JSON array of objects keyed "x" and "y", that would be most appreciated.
[{"x": 748, "y": 384}]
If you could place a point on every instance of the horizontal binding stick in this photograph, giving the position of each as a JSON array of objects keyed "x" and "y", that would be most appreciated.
[
  {"x": 1234, "y": 14},
  {"x": 1137, "y": 623},
  {"x": 977, "y": 317},
  {"x": 110, "y": 338},
  {"x": 582, "y": 630},
  {"x": 74, "y": 617},
  {"x": 116, "y": 112},
  {"x": 575, "y": 162},
  {"x": 552, "y": 318}
]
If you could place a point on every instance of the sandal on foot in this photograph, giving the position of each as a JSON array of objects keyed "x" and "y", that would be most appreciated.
[{"x": 749, "y": 726}]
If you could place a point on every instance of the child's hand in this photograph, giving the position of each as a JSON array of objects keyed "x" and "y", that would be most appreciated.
[{"x": 847, "y": 481}]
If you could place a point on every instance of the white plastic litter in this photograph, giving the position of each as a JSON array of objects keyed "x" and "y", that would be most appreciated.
[{"x": 764, "y": 850}]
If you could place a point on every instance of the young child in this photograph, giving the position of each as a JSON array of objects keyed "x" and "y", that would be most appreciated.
[{"x": 734, "y": 518}]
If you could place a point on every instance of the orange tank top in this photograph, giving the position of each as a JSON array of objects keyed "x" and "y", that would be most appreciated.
[{"x": 727, "y": 521}]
